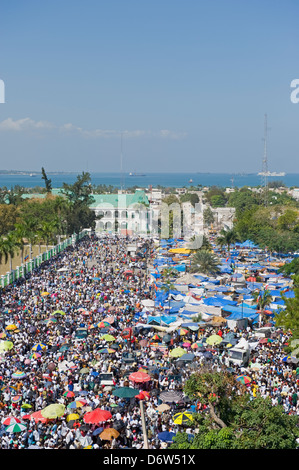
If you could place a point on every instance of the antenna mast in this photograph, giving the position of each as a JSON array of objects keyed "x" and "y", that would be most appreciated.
[
  {"x": 265, "y": 164},
  {"x": 121, "y": 163}
]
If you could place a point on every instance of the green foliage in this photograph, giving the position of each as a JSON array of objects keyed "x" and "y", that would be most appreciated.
[
  {"x": 233, "y": 420},
  {"x": 288, "y": 318},
  {"x": 204, "y": 261},
  {"x": 228, "y": 237},
  {"x": 190, "y": 197},
  {"x": 48, "y": 182},
  {"x": 290, "y": 268}
]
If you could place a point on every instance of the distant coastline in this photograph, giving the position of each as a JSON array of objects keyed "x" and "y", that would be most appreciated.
[{"x": 35, "y": 173}]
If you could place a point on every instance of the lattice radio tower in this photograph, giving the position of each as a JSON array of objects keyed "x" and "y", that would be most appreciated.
[{"x": 265, "y": 171}]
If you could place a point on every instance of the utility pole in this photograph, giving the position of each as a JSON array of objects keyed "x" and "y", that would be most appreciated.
[{"x": 145, "y": 440}]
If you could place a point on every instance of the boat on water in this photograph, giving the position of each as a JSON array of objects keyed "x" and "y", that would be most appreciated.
[
  {"x": 273, "y": 173},
  {"x": 136, "y": 174},
  {"x": 190, "y": 181}
]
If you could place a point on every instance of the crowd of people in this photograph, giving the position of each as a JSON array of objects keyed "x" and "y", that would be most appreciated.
[{"x": 75, "y": 321}]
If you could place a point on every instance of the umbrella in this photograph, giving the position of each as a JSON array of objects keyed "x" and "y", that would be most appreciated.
[
  {"x": 84, "y": 370},
  {"x": 72, "y": 417},
  {"x": 10, "y": 420},
  {"x": 177, "y": 352},
  {"x": 181, "y": 418},
  {"x": 25, "y": 406},
  {"x": 19, "y": 375},
  {"x": 16, "y": 398},
  {"x": 107, "y": 351},
  {"x": 244, "y": 379},
  {"x": 108, "y": 338},
  {"x": 103, "y": 324},
  {"x": 39, "y": 347},
  {"x": 197, "y": 345},
  {"x": 77, "y": 404},
  {"x": 143, "y": 342},
  {"x": 37, "y": 416},
  {"x": 108, "y": 434},
  {"x": 290, "y": 359},
  {"x": 139, "y": 377},
  {"x": 11, "y": 327},
  {"x": 53, "y": 411},
  {"x": 68, "y": 394},
  {"x": 182, "y": 331},
  {"x": 156, "y": 337},
  {"x": 35, "y": 355},
  {"x": 166, "y": 436},
  {"x": 213, "y": 339},
  {"x": 16, "y": 427},
  {"x": 97, "y": 431},
  {"x": 6, "y": 345},
  {"x": 58, "y": 312},
  {"x": 97, "y": 416},
  {"x": 171, "y": 396},
  {"x": 125, "y": 392},
  {"x": 163, "y": 407}
]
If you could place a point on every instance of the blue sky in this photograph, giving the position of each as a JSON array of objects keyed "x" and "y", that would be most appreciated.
[{"x": 186, "y": 82}]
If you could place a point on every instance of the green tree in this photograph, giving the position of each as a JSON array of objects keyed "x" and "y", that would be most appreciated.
[
  {"x": 231, "y": 419},
  {"x": 208, "y": 216},
  {"x": 228, "y": 237},
  {"x": 288, "y": 318},
  {"x": 204, "y": 261},
  {"x": 48, "y": 182},
  {"x": 79, "y": 196}
]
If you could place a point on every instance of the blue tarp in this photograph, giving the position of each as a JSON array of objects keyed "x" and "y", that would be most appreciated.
[
  {"x": 218, "y": 302},
  {"x": 238, "y": 316},
  {"x": 239, "y": 310}
]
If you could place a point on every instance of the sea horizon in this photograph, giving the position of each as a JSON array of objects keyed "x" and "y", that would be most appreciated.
[{"x": 30, "y": 179}]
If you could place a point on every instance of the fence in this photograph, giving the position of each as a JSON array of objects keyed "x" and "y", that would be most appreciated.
[{"x": 29, "y": 266}]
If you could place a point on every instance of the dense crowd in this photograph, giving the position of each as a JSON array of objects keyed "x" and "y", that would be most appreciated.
[{"x": 74, "y": 319}]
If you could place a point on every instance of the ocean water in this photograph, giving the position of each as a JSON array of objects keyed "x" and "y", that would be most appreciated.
[{"x": 176, "y": 180}]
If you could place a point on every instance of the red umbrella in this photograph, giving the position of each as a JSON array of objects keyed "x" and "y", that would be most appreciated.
[
  {"x": 97, "y": 416},
  {"x": 139, "y": 377},
  {"x": 143, "y": 395},
  {"x": 11, "y": 420},
  {"x": 251, "y": 279},
  {"x": 37, "y": 416}
]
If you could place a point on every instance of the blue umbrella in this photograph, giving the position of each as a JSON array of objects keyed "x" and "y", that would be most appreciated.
[{"x": 166, "y": 436}]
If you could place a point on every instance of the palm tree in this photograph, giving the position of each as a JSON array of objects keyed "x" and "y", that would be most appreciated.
[
  {"x": 204, "y": 261},
  {"x": 262, "y": 298},
  {"x": 227, "y": 237},
  {"x": 46, "y": 232},
  {"x": 9, "y": 248},
  {"x": 20, "y": 234},
  {"x": 30, "y": 229}
]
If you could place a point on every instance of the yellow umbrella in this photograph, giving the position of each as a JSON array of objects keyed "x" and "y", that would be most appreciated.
[
  {"x": 6, "y": 345},
  {"x": 45, "y": 293},
  {"x": 72, "y": 417},
  {"x": 109, "y": 433},
  {"x": 214, "y": 339},
  {"x": 11, "y": 327},
  {"x": 180, "y": 418},
  {"x": 53, "y": 411},
  {"x": 177, "y": 352}
]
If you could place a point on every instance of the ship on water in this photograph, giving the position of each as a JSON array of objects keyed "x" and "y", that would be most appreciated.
[
  {"x": 273, "y": 173},
  {"x": 136, "y": 174}
]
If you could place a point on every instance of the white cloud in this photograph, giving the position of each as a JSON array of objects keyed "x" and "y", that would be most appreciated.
[
  {"x": 28, "y": 124},
  {"x": 24, "y": 124}
]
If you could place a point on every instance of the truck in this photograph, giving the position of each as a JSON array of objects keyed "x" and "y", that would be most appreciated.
[{"x": 238, "y": 356}]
